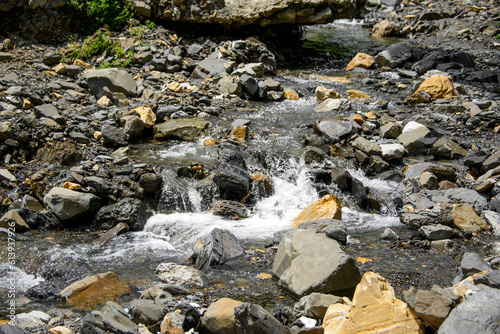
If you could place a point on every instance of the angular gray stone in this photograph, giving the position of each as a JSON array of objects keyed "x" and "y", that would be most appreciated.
[
  {"x": 466, "y": 196},
  {"x": 315, "y": 305},
  {"x": 12, "y": 219},
  {"x": 188, "y": 129},
  {"x": 5, "y": 130},
  {"x": 133, "y": 126},
  {"x": 208, "y": 68},
  {"x": 308, "y": 262},
  {"x": 394, "y": 56},
  {"x": 431, "y": 306},
  {"x": 146, "y": 312},
  {"x": 412, "y": 136},
  {"x": 67, "y": 204},
  {"x": 116, "y": 80},
  {"x": 493, "y": 218},
  {"x": 49, "y": 111},
  {"x": 219, "y": 247},
  {"x": 447, "y": 149},
  {"x": 118, "y": 314},
  {"x": 392, "y": 151},
  {"x": 230, "y": 85},
  {"x": 491, "y": 162},
  {"x": 96, "y": 322},
  {"x": 390, "y": 130},
  {"x": 367, "y": 146},
  {"x": 330, "y": 105},
  {"x": 232, "y": 175},
  {"x": 334, "y": 130},
  {"x": 438, "y": 232},
  {"x": 131, "y": 211},
  {"x": 113, "y": 135},
  {"x": 6, "y": 175},
  {"x": 478, "y": 313}
]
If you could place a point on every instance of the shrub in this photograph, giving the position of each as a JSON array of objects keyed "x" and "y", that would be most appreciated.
[{"x": 115, "y": 13}]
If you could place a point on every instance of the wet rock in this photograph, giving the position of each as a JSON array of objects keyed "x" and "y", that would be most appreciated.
[
  {"x": 327, "y": 207},
  {"x": 181, "y": 129},
  {"x": 230, "y": 209},
  {"x": 308, "y": 262},
  {"x": 361, "y": 60},
  {"x": 130, "y": 211},
  {"x": 323, "y": 94},
  {"x": 94, "y": 290},
  {"x": 232, "y": 175},
  {"x": 333, "y": 104},
  {"x": 68, "y": 204},
  {"x": 313, "y": 154},
  {"x": 335, "y": 130},
  {"x": 252, "y": 318},
  {"x": 394, "y": 56},
  {"x": 183, "y": 276},
  {"x": 478, "y": 313},
  {"x": 97, "y": 322},
  {"x": 438, "y": 232},
  {"x": 315, "y": 305},
  {"x": 389, "y": 235},
  {"x": 64, "y": 153},
  {"x": 219, "y": 247},
  {"x": 373, "y": 296},
  {"x": 12, "y": 219},
  {"x": 447, "y": 149},
  {"x": 219, "y": 318},
  {"x": 437, "y": 86},
  {"x": 466, "y": 219},
  {"x": 114, "y": 79},
  {"x": 150, "y": 182},
  {"x": 117, "y": 230},
  {"x": 429, "y": 305}
]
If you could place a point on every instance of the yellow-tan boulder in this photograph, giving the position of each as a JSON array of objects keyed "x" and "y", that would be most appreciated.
[
  {"x": 219, "y": 317},
  {"x": 362, "y": 60},
  {"x": 383, "y": 29},
  {"x": 327, "y": 207},
  {"x": 374, "y": 309},
  {"x": 357, "y": 94},
  {"x": 437, "y": 86},
  {"x": 291, "y": 95},
  {"x": 148, "y": 117},
  {"x": 323, "y": 93}
]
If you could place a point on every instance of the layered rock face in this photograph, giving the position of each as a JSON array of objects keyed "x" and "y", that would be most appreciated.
[{"x": 240, "y": 13}]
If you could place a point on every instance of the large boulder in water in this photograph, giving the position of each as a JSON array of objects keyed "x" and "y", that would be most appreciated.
[
  {"x": 232, "y": 175},
  {"x": 218, "y": 247},
  {"x": 68, "y": 204},
  {"x": 255, "y": 12},
  {"x": 308, "y": 261}
]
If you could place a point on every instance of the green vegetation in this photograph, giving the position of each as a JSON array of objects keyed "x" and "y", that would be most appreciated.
[
  {"x": 98, "y": 44},
  {"x": 115, "y": 13},
  {"x": 334, "y": 49},
  {"x": 150, "y": 24}
]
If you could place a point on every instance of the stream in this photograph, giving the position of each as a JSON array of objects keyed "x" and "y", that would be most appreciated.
[{"x": 278, "y": 132}]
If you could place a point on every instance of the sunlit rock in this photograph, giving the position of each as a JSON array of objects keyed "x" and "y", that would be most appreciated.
[
  {"x": 327, "y": 207},
  {"x": 374, "y": 309}
]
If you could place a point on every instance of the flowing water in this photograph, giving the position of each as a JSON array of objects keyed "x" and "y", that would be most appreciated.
[{"x": 278, "y": 129}]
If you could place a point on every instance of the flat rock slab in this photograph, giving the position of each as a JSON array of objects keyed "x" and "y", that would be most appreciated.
[
  {"x": 188, "y": 129},
  {"x": 116, "y": 80}
]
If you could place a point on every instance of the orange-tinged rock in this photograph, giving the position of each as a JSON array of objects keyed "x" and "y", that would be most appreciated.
[
  {"x": 94, "y": 290},
  {"x": 148, "y": 117},
  {"x": 79, "y": 62},
  {"x": 362, "y": 60},
  {"x": 374, "y": 309},
  {"x": 291, "y": 95},
  {"x": 438, "y": 87},
  {"x": 72, "y": 185},
  {"x": 323, "y": 93},
  {"x": 358, "y": 119},
  {"x": 26, "y": 103},
  {"x": 357, "y": 94},
  {"x": 466, "y": 219},
  {"x": 104, "y": 101},
  {"x": 382, "y": 29},
  {"x": 219, "y": 317},
  {"x": 210, "y": 142},
  {"x": 239, "y": 133},
  {"x": 327, "y": 207}
]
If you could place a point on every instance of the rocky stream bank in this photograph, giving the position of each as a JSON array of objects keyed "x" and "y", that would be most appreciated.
[{"x": 389, "y": 222}]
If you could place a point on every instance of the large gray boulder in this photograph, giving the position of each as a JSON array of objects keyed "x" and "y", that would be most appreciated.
[
  {"x": 219, "y": 247},
  {"x": 256, "y": 12},
  {"x": 131, "y": 211},
  {"x": 67, "y": 204},
  {"x": 394, "y": 56},
  {"x": 335, "y": 130},
  {"x": 116, "y": 80},
  {"x": 430, "y": 305},
  {"x": 188, "y": 129},
  {"x": 97, "y": 322},
  {"x": 308, "y": 262},
  {"x": 478, "y": 313}
]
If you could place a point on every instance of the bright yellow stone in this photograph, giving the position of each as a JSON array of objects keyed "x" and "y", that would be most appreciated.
[{"x": 327, "y": 207}]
